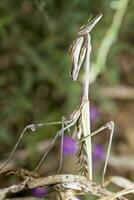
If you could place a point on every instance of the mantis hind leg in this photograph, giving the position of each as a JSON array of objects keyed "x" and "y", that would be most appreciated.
[
  {"x": 32, "y": 127},
  {"x": 66, "y": 124}
]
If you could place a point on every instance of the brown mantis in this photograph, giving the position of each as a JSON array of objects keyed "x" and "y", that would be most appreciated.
[{"x": 80, "y": 51}]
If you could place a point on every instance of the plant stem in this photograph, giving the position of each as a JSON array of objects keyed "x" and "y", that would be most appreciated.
[{"x": 110, "y": 37}]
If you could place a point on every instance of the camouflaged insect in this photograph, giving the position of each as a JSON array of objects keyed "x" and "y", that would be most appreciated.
[{"x": 78, "y": 48}]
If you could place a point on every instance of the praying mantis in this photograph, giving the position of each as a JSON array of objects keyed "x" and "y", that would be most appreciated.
[{"x": 80, "y": 51}]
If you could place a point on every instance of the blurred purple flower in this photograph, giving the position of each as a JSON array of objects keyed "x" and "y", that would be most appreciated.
[
  {"x": 79, "y": 198},
  {"x": 69, "y": 145},
  {"x": 98, "y": 152},
  {"x": 94, "y": 113},
  {"x": 39, "y": 191}
]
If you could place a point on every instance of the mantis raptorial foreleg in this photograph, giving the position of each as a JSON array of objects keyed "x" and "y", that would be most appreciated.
[{"x": 110, "y": 126}]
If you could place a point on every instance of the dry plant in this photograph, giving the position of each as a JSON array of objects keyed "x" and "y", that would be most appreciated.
[
  {"x": 65, "y": 186},
  {"x": 68, "y": 186}
]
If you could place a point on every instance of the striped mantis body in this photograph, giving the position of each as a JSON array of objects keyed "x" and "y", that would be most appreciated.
[{"x": 80, "y": 51}]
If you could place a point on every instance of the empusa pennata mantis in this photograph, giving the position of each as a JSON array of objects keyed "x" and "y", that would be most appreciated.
[{"x": 80, "y": 50}]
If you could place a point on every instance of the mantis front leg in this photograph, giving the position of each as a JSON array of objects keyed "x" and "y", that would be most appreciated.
[{"x": 110, "y": 126}]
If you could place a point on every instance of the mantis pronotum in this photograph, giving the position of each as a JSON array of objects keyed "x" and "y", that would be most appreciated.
[{"x": 80, "y": 51}]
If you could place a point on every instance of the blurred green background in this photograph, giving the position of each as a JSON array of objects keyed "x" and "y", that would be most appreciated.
[{"x": 35, "y": 86}]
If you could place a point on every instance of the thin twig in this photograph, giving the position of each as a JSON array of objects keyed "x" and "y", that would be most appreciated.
[{"x": 71, "y": 185}]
